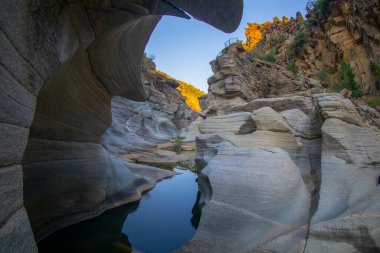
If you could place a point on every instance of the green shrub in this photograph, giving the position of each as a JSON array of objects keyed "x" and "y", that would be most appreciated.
[
  {"x": 291, "y": 66},
  {"x": 277, "y": 40},
  {"x": 177, "y": 146},
  {"x": 297, "y": 46},
  {"x": 300, "y": 23},
  {"x": 373, "y": 101},
  {"x": 310, "y": 22},
  {"x": 318, "y": 5},
  {"x": 376, "y": 70},
  {"x": 253, "y": 54},
  {"x": 281, "y": 37},
  {"x": 269, "y": 57},
  {"x": 178, "y": 142},
  {"x": 323, "y": 75},
  {"x": 346, "y": 79}
]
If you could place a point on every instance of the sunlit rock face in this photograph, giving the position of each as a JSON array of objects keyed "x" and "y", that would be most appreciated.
[
  {"x": 61, "y": 64},
  {"x": 239, "y": 78}
]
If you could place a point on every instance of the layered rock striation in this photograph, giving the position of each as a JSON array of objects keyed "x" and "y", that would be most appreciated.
[
  {"x": 334, "y": 31},
  {"x": 303, "y": 181},
  {"x": 239, "y": 77},
  {"x": 62, "y": 62},
  {"x": 320, "y": 148}
]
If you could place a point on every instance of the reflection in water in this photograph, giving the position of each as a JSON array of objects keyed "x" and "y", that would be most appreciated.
[{"x": 163, "y": 220}]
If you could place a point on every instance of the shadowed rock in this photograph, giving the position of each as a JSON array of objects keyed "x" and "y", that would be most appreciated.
[
  {"x": 62, "y": 63},
  {"x": 251, "y": 201}
]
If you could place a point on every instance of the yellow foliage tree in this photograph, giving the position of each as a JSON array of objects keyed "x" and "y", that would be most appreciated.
[
  {"x": 188, "y": 91},
  {"x": 276, "y": 20},
  {"x": 253, "y": 35},
  {"x": 285, "y": 19}
]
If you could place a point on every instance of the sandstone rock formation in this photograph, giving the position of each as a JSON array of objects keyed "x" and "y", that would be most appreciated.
[
  {"x": 61, "y": 63},
  {"x": 251, "y": 201},
  {"x": 137, "y": 127},
  {"x": 314, "y": 148},
  {"x": 267, "y": 119},
  {"x": 335, "y": 30},
  {"x": 239, "y": 78},
  {"x": 321, "y": 147},
  {"x": 237, "y": 123},
  {"x": 164, "y": 97}
]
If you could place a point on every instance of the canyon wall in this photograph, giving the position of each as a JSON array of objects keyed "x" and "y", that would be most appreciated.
[
  {"x": 333, "y": 31},
  {"x": 62, "y": 62},
  {"x": 283, "y": 165}
]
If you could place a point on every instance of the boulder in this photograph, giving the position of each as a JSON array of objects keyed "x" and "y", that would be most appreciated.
[
  {"x": 237, "y": 123},
  {"x": 350, "y": 156},
  {"x": 257, "y": 193},
  {"x": 286, "y": 141},
  {"x": 189, "y": 133},
  {"x": 334, "y": 106},
  {"x": 351, "y": 233},
  {"x": 137, "y": 127},
  {"x": 349, "y": 201},
  {"x": 267, "y": 119},
  {"x": 303, "y": 125}
]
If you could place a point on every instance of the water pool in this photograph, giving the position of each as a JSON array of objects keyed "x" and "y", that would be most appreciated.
[{"x": 162, "y": 221}]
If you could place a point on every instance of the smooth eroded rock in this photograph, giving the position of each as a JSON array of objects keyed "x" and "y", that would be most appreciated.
[
  {"x": 257, "y": 193},
  {"x": 237, "y": 123},
  {"x": 267, "y": 119}
]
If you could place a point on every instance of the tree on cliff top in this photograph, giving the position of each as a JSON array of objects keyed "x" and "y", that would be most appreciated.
[
  {"x": 255, "y": 32},
  {"x": 188, "y": 91}
]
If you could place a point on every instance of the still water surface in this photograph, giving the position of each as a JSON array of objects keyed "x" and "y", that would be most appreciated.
[{"x": 162, "y": 221}]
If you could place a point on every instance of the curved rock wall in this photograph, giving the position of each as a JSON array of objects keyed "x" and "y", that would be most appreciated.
[
  {"x": 303, "y": 181},
  {"x": 320, "y": 148},
  {"x": 61, "y": 63},
  {"x": 72, "y": 113}
]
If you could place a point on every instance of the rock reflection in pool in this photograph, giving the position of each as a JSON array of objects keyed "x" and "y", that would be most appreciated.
[{"x": 162, "y": 221}]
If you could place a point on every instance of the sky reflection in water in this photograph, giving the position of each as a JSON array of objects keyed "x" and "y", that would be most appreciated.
[{"x": 162, "y": 221}]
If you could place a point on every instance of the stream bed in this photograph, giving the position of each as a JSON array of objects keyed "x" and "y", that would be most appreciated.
[{"x": 163, "y": 220}]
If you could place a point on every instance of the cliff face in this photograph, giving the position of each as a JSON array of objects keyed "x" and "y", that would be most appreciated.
[
  {"x": 283, "y": 165},
  {"x": 335, "y": 31},
  {"x": 62, "y": 62},
  {"x": 187, "y": 90},
  {"x": 239, "y": 77},
  {"x": 150, "y": 123},
  {"x": 164, "y": 95}
]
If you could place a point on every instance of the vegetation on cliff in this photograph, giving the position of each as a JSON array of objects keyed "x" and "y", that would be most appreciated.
[
  {"x": 346, "y": 80},
  {"x": 254, "y": 31},
  {"x": 336, "y": 43},
  {"x": 188, "y": 91}
]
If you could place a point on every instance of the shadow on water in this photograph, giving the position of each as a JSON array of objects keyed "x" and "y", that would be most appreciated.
[{"x": 162, "y": 221}]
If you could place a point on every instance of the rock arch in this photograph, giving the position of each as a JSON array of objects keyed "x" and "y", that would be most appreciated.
[{"x": 61, "y": 63}]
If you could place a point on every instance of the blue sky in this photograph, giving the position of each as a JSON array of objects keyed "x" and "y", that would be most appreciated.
[{"x": 184, "y": 48}]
